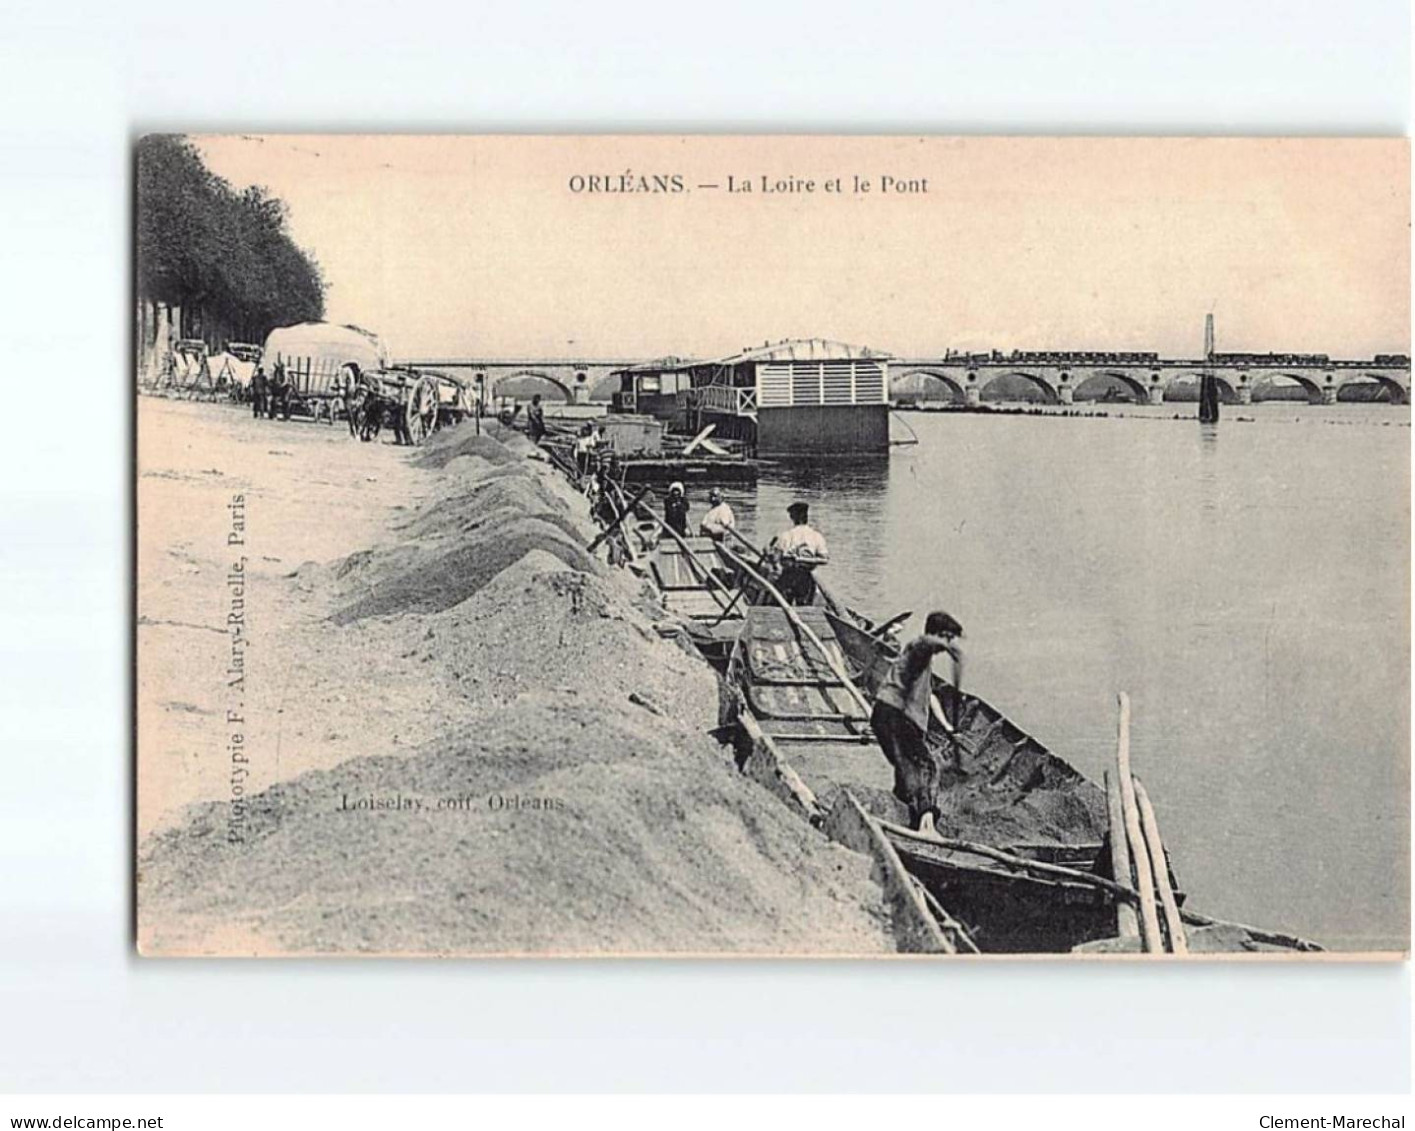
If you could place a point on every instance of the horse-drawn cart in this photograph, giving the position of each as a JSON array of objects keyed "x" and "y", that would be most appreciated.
[
  {"x": 405, "y": 401},
  {"x": 311, "y": 386},
  {"x": 314, "y": 367}
]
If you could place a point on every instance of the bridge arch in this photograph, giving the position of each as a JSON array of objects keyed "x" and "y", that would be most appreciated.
[
  {"x": 1266, "y": 379},
  {"x": 495, "y": 382},
  {"x": 1048, "y": 391},
  {"x": 1398, "y": 392},
  {"x": 1136, "y": 387},
  {"x": 955, "y": 389},
  {"x": 1227, "y": 390}
]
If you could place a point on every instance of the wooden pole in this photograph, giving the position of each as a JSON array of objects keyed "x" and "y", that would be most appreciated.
[
  {"x": 732, "y": 530},
  {"x": 1178, "y": 941},
  {"x": 1144, "y": 877},
  {"x": 619, "y": 515},
  {"x": 1127, "y": 923},
  {"x": 625, "y": 506},
  {"x": 613, "y": 526},
  {"x": 1019, "y": 863},
  {"x": 804, "y": 629},
  {"x": 1119, "y": 890}
]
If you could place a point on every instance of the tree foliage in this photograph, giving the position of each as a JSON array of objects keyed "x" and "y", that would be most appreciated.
[{"x": 225, "y": 255}]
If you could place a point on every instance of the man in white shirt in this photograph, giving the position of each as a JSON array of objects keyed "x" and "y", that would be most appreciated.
[
  {"x": 719, "y": 519},
  {"x": 798, "y": 551}
]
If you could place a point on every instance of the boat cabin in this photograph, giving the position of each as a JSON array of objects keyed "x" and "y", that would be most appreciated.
[
  {"x": 657, "y": 388},
  {"x": 800, "y": 397}
]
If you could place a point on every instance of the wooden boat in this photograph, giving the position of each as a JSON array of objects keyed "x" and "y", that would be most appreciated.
[
  {"x": 700, "y": 591},
  {"x": 1023, "y": 862},
  {"x": 1024, "y": 865}
]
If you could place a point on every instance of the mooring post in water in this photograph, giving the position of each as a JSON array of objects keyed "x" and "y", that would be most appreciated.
[
  {"x": 1208, "y": 383},
  {"x": 1127, "y": 923},
  {"x": 1144, "y": 875},
  {"x": 1174, "y": 926}
]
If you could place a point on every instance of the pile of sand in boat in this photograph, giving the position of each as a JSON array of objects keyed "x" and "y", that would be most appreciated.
[{"x": 573, "y": 798}]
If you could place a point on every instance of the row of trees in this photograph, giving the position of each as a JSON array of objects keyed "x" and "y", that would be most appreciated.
[{"x": 223, "y": 257}]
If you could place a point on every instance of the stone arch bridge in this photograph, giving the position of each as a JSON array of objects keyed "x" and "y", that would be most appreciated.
[
  {"x": 1058, "y": 382},
  {"x": 573, "y": 377},
  {"x": 967, "y": 377}
]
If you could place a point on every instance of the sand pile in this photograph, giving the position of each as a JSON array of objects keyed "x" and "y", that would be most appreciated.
[
  {"x": 473, "y": 508},
  {"x": 450, "y": 443},
  {"x": 444, "y": 577},
  {"x": 570, "y": 797},
  {"x": 541, "y": 625},
  {"x": 549, "y": 826},
  {"x": 485, "y": 521},
  {"x": 1009, "y": 790}
]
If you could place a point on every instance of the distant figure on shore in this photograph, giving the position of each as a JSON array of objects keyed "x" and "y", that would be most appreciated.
[
  {"x": 583, "y": 444},
  {"x": 719, "y": 518},
  {"x": 258, "y": 386},
  {"x": 796, "y": 552},
  {"x": 535, "y": 419},
  {"x": 278, "y": 398},
  {"x": 675, "y": 509},
  {"x": 901, "y": 717}
]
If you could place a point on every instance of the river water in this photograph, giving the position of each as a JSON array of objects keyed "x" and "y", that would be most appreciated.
[{"x": 1248, "y": 586}]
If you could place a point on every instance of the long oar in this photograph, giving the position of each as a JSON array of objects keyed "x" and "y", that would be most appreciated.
[
  {"x": 804, "y": 629},
  {"x": 733, "y": 532}
]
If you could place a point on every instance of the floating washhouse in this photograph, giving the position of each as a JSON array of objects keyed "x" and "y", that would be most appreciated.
[{"x": 799, "y": 397}]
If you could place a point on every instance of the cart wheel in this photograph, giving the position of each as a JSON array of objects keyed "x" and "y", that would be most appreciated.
[{"x": 421, "y": 414}]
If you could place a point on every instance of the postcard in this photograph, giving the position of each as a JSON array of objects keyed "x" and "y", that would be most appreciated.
[{"x": 772, "y": 546}]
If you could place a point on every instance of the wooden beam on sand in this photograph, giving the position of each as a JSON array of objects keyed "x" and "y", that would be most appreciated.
[{"x": 914, "y": 926}]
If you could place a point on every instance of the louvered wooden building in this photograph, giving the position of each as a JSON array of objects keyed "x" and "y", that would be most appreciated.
[{"x": 802, "y": 397}]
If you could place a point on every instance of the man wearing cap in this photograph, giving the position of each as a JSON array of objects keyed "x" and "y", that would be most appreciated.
[
  {"x": 797, "y": 551},
  {"x": 675, "y": 509},
  {"x": 719, "y": 519},
  {"x": 901, "y": 715}
]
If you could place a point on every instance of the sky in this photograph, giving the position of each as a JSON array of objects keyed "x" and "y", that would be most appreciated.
[{"x": 498, "y": 247}]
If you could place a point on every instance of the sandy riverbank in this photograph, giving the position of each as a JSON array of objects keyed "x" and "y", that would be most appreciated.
[{"x": 459, "y": 733}]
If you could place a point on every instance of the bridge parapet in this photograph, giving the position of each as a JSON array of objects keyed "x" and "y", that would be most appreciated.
[{"x": 574, "y": 377}]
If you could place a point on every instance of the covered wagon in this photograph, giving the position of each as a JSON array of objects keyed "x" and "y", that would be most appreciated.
[{"x": 313, "y": 366}]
